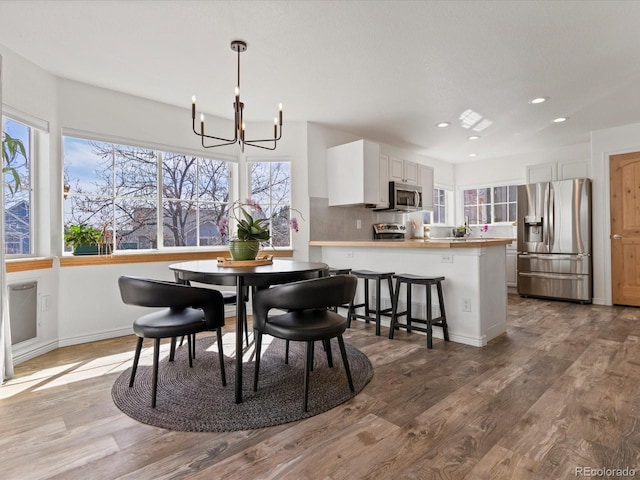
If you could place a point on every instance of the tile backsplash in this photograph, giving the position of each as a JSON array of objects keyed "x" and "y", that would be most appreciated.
[{"x": 341, "y": 223}]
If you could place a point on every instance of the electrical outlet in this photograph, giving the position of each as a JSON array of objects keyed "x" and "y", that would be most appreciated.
[
  {"x": 466, "y": 304},
  {"x": 349, "y": 254},
  {"x": 446, "y": 258},
  {"x": 358, "y": 224}
]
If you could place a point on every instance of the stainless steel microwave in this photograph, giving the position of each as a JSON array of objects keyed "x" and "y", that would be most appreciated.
[{"x": 403, "y": 197}]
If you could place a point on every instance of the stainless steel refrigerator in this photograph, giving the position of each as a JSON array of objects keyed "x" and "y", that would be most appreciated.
[{"x": 554, "y": 240}]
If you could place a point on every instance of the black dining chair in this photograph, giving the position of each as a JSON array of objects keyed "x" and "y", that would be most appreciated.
[
  {"x": 308, "y": 318},
  {"x": 190, "y": 310}
]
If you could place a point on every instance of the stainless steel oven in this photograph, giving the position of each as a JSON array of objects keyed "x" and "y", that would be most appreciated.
[{"x": 388, "y": 231}]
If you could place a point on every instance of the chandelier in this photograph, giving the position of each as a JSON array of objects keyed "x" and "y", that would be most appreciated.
[{"x": 237, "y": 46}]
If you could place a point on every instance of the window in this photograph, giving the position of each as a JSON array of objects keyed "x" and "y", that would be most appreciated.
[
  {"x": 114, "y": 188},
  {"x": 490, "y": 204},
  {"x": 18, "y": 213},
  {"x": 439, "y": 214},
  {"x": 270, "y": 187}
]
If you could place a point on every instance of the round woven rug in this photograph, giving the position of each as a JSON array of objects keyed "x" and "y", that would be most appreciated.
[{"x": 194, "y": 400}]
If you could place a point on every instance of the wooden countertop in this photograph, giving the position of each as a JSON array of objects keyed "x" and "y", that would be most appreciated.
[{"x": 415, "y": 243}]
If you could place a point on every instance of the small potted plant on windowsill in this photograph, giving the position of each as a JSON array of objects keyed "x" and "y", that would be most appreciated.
[{"x": 86, "y": 240}]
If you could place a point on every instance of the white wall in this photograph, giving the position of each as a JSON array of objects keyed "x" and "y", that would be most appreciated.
[{"x": 604, "y": 143}]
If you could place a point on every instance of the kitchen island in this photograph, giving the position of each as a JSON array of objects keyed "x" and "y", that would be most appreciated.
[{"x": 475, "y": 289}]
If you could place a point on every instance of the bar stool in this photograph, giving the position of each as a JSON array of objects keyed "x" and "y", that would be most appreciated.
[
  {"x": 332, "y": 273},
  {"x": 441, "y": 321},
  {"x": 368, "y": 275}
]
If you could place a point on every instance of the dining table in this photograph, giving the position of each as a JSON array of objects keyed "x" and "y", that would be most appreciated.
[{"x": 279, "y": 271}]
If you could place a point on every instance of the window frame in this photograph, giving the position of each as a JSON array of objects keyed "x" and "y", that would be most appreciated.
[
  {"x": 490, "y": 204},
  {"x": 159, "y": 199},
  {"x": 34, "y": 127},
  {"x": 270, "y": 160}
]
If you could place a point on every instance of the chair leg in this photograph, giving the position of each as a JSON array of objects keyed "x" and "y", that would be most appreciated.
[
  {"x": 193, "y": 346},
  {"x": 313, "y": 350},
  {"x": 429, "y": 319},
  {"x": 394, "y": 310},
  {"x": 378, "y": 307},
  {"x": 190, "y": 350},
  {"x": 366, "y": 300},
  {"x": 246, "y": 328},
  {"x": 345, "y": 361},
  {"x": 350, "y": 313},
  {"x": 409, "y": 307},
  {"x": 327, "y": 349},
  {"x": 307, "y": 368},
  {"x": 136, "y": 358},
  {"x": 154, "y": 381},
  {"x": 286, "y": 352},
  {"x": 258, "y": 339},
  {"x": 172, "y": 351},
  {"x": 223, "y": 374},
  {"x": 443, "y": 314}
]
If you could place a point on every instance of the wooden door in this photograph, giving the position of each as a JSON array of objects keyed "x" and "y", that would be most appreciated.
[{"x": 625, "y": 228}]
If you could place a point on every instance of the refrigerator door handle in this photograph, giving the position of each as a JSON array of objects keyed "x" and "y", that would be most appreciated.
[
  {"x": 555, "y": 276},
  {"x": 551, "y": 218},
  {"x": 552, "y": 256}
]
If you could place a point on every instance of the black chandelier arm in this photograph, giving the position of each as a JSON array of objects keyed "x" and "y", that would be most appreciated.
[
  {"x": 260, "y": 146},
  {"x": 266, "y": 139},
  {"x": 203, "y": 136},
  {"x": 226, "y": 142}
]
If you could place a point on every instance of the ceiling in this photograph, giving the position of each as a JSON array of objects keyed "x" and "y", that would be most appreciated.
[{"x": 388, "y": 71}]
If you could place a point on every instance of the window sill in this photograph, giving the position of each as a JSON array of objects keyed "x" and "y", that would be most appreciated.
[
  {"x": 84, "y": 260},
  {"x": 26, "y": 264}
]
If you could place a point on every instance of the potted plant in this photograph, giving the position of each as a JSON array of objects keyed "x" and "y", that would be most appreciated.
[
  {"x": 250, "y": 233},
  {"x": 85, "y": 240}
]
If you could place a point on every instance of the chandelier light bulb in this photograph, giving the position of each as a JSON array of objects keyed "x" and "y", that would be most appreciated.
[
  {"x": 237, "y": 91},
  {"x": 193, "y": 99}
]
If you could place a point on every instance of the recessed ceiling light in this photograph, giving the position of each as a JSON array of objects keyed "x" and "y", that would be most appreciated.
[
  {"x": 473, "y": 137},
  {"x": 535, "y": 101},
  {"x": 472, "y": 154},
  {"x": 560, "y": 119},
  {"x": 443, "y": 124}
]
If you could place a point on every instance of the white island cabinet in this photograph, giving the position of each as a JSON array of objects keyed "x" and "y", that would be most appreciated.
[{"x": 475, "y": 290}]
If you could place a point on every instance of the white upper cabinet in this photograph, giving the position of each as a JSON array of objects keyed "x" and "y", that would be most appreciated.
[
  {"x": 425, "y": 180},
  {"x": 403, "y": 171},
  {"x": 383, "y": 182},
  {"x": 353, "y": 174},
  {"x": 545, "y": 172}
]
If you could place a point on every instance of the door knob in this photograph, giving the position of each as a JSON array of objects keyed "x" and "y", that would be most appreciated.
[{"x": 616, "y": 237}]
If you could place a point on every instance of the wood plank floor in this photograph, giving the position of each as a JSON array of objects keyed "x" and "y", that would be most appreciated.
[{"x": 559, "y": 391}]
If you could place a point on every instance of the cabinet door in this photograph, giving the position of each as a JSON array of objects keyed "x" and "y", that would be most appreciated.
[
  {"x": 425, "y": 180},
  {"x": 410, "y": 170},
  {"x": 383, "y": 182},
  {"x": 541, "y": 173},
  {"x": 396, "y": 170},
  {"x": 512, "y": 270}
]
